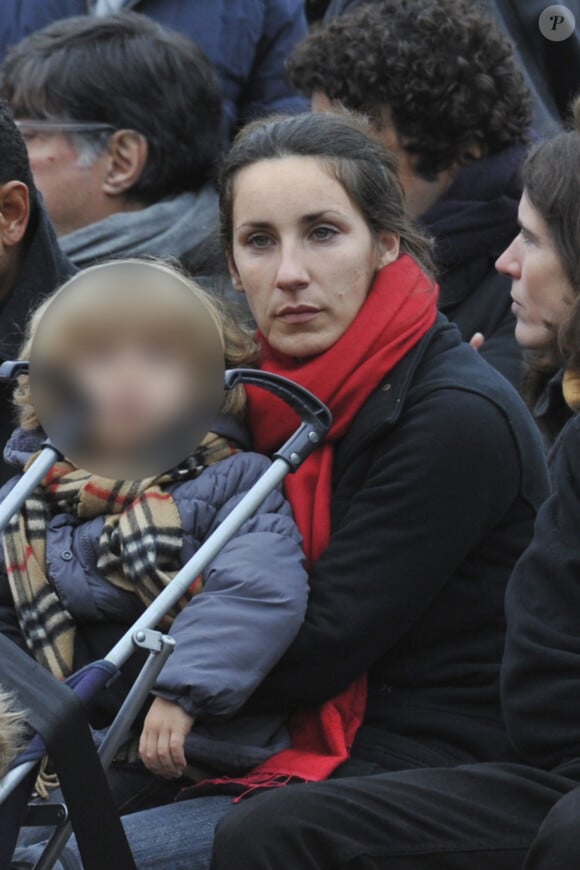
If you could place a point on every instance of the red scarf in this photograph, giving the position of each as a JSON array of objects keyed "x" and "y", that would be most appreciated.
[{"x": 399, "y": 310}]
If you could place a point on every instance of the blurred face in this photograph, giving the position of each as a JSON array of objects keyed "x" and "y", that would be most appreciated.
[
  {"x": 302, "y": 252},
  {"x": 72, "y": 191},
  {"x": 137, "y": 384},
  {"x": 541, "y": 292}
]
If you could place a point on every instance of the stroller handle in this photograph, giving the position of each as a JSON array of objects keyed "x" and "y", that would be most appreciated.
[
  {"x": 315, "y": 416},
  {"x": 308, "y": 407}
]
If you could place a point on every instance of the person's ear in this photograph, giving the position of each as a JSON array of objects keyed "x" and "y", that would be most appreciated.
[
  {"x": 234, "y": 274},
  {"x": 14, "y": 212},
  {"x": 127, "y": 153},
  {"x": 474, "y": 151},
  {"x": 388, "y": 248}
]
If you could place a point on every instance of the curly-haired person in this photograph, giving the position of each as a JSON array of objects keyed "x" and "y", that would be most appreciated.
[{"x": 440, "y": 84}]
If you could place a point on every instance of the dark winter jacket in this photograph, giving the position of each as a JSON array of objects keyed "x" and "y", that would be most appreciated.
[
  {"x": 247, "y": 40},
  {"x": 227, "y": 638},
  {"x": 541, "y": 669},
  {"x": 436, "y": 487},
  {"x": 472, "y": 223},
  {"x": 44, "y": 268}
]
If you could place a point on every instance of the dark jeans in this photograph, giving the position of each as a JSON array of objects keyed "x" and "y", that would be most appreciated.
[
  {"x": 133, "y": 788},
  {"x": 177, "y": 836},
  {"x": 473, "y": 817}
]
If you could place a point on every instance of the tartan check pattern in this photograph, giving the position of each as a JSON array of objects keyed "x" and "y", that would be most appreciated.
[{"x": 139, "y": 547}]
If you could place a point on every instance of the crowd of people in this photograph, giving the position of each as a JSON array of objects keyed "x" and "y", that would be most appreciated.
[{"x": 379, "y": 201}]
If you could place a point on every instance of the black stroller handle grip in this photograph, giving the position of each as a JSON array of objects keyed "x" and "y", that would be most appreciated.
[
  {"x": 308, "y": 407},
  {"x": 315, "y": 416}
]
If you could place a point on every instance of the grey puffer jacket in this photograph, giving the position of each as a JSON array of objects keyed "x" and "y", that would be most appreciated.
[{"x": 227, "y": 638}]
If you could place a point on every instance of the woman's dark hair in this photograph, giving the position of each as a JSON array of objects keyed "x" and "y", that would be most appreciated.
[
  {"x": 441, "y": 70},
  {"x": 129, "y": 72},
  {"x": 551, "y": 180},
  {"x": 366, "y": 171}
]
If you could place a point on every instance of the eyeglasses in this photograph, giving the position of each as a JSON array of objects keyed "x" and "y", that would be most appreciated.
[{"x": 40, "y": 125}]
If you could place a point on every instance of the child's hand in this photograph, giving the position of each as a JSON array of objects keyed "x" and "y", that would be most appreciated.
[{"x": 163, "y": 737}]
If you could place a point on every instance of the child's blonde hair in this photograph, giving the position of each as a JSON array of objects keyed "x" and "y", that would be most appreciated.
[
  {"x": 239, "y": 346},
  {"x": 12, "y": 728}
]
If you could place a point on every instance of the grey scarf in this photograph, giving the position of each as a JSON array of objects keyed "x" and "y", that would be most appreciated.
[{"x": 169, "y": 228}]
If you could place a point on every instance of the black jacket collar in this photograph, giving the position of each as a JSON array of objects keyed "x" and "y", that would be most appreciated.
[
  {"x": 384, "y": 407},
  {"x": 439, "y": 361}
]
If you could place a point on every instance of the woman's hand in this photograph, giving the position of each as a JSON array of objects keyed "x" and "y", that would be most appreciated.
[{"x": 163, "y": 737}]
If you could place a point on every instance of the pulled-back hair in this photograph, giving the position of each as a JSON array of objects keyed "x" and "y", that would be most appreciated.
[
  {"x": 128, "y": 72},
  {"x": 239, "y": 346},
  {"x": 551, "y": 180},
  {"x": 366, "y": 171},
  {"x": 442, "y": 69}
]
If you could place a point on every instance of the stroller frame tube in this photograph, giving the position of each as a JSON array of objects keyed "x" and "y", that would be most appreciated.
[
  {"x": 12, "y": 503},
  {"x": 161, "y": 647},
  {"x": 124, "y": 648},
  {"x": 178, "y": 586},
  {"x": 199, "y": 562}
]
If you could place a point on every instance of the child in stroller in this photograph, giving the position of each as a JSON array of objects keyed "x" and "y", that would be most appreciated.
[{"x": 86, "y": 553}]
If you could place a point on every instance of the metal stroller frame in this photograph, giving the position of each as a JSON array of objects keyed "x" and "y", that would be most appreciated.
[{"x": 315, "y": 421}]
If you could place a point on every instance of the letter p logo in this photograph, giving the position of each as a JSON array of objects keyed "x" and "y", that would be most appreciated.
[{"x": 557, "y": 23}]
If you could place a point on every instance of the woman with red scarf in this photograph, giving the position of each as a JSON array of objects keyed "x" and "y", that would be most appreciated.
[{"x": 414, "y": 510}]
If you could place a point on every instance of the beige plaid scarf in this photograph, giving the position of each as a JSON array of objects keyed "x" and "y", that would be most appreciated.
[{"x": 139, "y": 548}]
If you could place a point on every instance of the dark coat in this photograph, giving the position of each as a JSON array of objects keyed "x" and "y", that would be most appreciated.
[
  {"x": 44, "y": 269},
  {"x": 541, "y": 669},
  {"x": 436, "y": 487},
  {"x": 472, "y": 223},
  {"x": 247, "y": 40}
]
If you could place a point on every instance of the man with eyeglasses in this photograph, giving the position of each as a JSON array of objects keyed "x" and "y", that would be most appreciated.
[
  {"x": 247, "y": 40},
  {"x": 31, "y": 263},
  {"x": 122, "y": 119}
]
